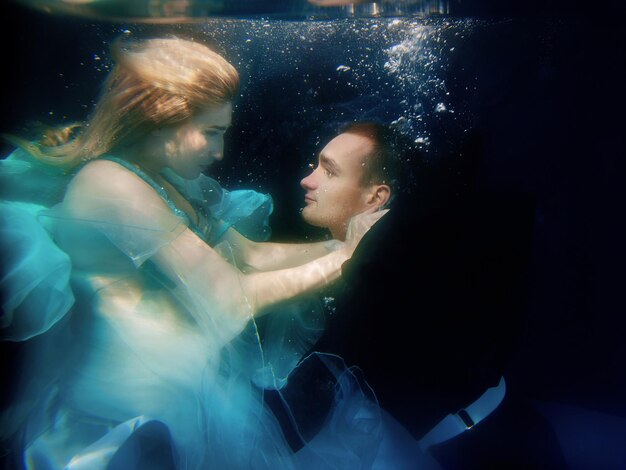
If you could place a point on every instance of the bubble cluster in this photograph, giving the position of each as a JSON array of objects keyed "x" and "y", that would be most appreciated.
[{"x": 419, "y": 66}]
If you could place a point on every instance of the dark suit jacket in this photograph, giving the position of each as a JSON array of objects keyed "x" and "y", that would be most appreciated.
[
  {"x": 433, "y": 303},
  {"x": 431, "y": 310}
]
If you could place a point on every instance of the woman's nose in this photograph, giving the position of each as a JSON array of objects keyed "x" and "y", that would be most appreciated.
[{"x": 217, "y": 150}]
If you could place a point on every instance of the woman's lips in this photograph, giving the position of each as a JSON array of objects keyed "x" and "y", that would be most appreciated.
[{"x": 205, "y": 166}]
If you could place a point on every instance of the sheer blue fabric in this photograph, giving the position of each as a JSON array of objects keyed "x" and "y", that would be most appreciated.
[
  {"x": 36, "y": 276},
  {"x": 114, "y": 347}
]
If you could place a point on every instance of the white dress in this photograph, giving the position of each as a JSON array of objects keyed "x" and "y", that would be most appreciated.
[{"x": 112, "y": 344}]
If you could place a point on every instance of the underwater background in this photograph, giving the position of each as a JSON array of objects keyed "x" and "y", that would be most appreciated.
[{"x": 539, "y": 84}]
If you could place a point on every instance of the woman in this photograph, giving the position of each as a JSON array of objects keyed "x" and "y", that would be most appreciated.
[{"x": 165, "y": 286}]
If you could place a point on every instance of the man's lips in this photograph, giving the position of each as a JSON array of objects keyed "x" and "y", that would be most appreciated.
[{"x": 308, "y": 199}]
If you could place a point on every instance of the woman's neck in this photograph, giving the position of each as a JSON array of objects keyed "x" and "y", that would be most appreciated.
[
  {"x": 151, "y": 166},
  {"x": 149, "y": 163}
]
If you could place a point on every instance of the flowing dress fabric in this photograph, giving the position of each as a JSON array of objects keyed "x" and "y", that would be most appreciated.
[{"x": 120, "y": 346}]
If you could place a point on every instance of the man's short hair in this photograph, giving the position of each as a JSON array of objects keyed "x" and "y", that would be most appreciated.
[{"x": 380, "y": 165}]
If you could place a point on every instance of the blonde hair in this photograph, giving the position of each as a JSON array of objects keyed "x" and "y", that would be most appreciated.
[{"x": 155, "y": 83}]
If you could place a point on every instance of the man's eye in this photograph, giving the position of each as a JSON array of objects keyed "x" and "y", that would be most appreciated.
[
  {"x": 329, "y": 173},
  {"x": 211, "y": 132}
]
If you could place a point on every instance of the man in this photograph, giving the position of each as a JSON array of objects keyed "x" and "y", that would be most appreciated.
[
  {"x": 432, "y": 304},
  {"x": 352, "y": 176}
]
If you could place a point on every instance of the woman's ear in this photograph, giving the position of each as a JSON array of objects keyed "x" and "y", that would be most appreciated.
[{"x": 379, "y": 195}]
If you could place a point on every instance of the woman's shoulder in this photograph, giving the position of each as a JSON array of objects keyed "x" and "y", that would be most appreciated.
[
  {"x": 104, "y": 176},
  {"x": 101, "y": 168},
  {"x": 119, "y": 200},
  {"x": 106, "y": 185}
]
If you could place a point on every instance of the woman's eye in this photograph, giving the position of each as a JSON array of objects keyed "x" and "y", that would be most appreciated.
[{"x": 329, "y": 173}]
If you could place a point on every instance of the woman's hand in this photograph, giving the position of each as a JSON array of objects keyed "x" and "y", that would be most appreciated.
[{"x": 360, "y": 224}]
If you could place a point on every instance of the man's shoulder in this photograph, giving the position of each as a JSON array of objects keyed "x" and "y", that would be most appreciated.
[{"x": 409, "y": 238}]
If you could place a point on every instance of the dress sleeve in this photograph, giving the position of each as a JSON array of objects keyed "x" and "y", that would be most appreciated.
[
  {"x": 36, "y": 293},
  {"x": 247, "y": 211},
  {"x": 34, "y": 272},
  {"x": 107, "y": 202},
  {"x": 24, "y": 179},
  {"x": 126, "y": 210}
]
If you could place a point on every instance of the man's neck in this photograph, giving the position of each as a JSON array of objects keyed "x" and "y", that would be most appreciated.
[{"x": 339, "y": 233}]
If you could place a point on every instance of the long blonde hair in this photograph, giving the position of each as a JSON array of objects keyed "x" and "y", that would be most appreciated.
[{"x": 155, "y": 83}]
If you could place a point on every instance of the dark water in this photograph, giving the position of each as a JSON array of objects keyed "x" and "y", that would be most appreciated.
[{"x": 543, "y": 92}]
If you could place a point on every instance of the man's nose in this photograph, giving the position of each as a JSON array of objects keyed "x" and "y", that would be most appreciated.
[{"x": 308, "y": 182}]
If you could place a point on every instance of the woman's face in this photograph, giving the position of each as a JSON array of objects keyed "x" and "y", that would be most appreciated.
[{"x": 191, "y": 147}]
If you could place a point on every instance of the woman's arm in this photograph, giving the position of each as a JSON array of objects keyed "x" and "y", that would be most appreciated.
[
  {"x": 193, "y": 264},
  {"x": 189, "y": 254},
  {"x": 124, "y": 200},
  {"x": 266, "y": 288},
  {"x": 253, "y": 256}
]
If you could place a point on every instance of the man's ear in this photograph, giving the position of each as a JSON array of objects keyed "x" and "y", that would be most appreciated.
[{"x": 379, "y": 195}]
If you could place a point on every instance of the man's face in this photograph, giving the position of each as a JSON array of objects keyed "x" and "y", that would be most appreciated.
[{"x": 334, "y": 190}]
